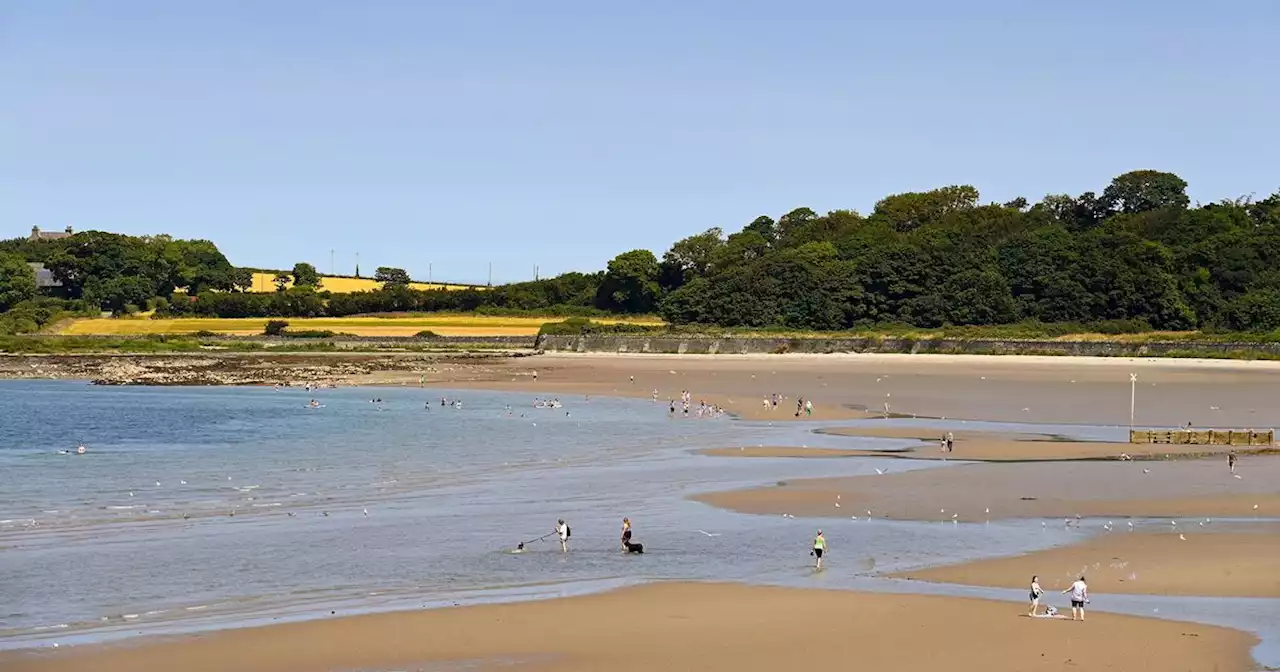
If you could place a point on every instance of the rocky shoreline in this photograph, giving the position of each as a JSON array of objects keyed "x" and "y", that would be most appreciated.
[{"x": 325, "y": 370}]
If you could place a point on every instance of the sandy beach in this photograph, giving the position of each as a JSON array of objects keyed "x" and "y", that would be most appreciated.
[
  {"x": 1212, "y": 560},
  {"x": 1003, "y": 447},
  {"x": 1025, "y": 474},
  {"x": 688, "y": 627},
  {"x": 1192, "y": 488},
  {"x": 1093, "y": 390}
]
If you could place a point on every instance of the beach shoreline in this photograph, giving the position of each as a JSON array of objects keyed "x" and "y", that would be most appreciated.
[
  {"x": 1024, "y": 479},
  {"x": 617, "y": 630}
]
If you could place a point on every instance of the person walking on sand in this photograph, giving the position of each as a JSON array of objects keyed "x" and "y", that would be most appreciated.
[
  {"x": 808, "y": 407},
  {"x": 819, "y": 548},
  {"x": 1079, "y": 597},
  {"x": 1231, "y": 461},
  {"x": 1036, "y": 592},
  {"x": 626, "y": 532},
  {"x": 562, "y": 531},
  {"x": 951, "y": 441}
]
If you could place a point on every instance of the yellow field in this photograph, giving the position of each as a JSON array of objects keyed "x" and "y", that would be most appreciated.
[
  {"x": 265, "y": 282},
  {"x": 444, "y": 325}
]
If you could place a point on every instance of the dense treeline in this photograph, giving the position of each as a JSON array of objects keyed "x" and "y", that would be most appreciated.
[{"x": 1138, "y": 254}]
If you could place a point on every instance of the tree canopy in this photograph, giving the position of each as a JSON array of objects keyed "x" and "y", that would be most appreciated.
[{"x": 1140, "y": 253}]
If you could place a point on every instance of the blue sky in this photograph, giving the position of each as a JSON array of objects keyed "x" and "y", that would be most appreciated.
[{"x": 561, "y": 133}]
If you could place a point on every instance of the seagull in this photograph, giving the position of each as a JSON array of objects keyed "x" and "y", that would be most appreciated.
[
  {"x": 837, "y": 505},
  {"x": 182, "y": 482},
  {"x": 869, "y": 512},
  {"x": 988, "y": 509},
  {"x": 709, "y": 534},
  {"x": 1255, "y": 507},
  {"x": 1131, "y": 524},
  {"x": 1146, "y": 471},
  {"x": 157, "y": 484},
  {"x": 1173, "y": 523},
  {"x": 1182, "y": 537},
  {"x": 366, "y": 513},
  {"x": 879, "y": 472},
  {"x": 1237, "y": 476},
  {"x": 853, "y": 517}
]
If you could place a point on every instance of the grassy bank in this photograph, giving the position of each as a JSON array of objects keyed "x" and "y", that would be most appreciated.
[{"x": 368, "y": 325}]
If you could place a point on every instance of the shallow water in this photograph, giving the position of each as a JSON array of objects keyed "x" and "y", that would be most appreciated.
[{"x": 137, "y": 536}]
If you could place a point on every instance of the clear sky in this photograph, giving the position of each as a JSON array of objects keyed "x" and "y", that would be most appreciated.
[{"x": 561, "y": 133}]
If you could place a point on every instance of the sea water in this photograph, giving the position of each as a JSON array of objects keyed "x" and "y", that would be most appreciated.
[{"x": 197, "y": 508}]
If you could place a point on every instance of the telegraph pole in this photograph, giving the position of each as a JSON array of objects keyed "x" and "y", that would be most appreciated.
[
  {"x": 491, "y": 274},
  {"x": 1133, "y": 394},
  {"x": 428, "y": 272}
]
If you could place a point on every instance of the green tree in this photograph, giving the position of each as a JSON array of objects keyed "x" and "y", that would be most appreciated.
[
  {"x": 391, "y": 277},
  {"x": 242, "y": 279},
  {"x": 764, "y": 227},
  {"x": 305, "y": 275},
  {"x": 1145, "y": 190},
  {"x": 692, "y": 257},
  {"x": 631, "y": 283},
  {"x": 912, "y": 210},
  {"x": 17, "y": 281}
]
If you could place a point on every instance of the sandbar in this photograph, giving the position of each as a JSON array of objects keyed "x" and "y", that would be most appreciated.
[
  {"x": 1194, "y": 559},
  {"x": 1191, "y": 488},
  {"x": 685, "y": 626}
]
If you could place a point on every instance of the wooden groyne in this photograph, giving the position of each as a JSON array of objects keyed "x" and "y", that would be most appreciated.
[{"x": 1204, "y": 437}]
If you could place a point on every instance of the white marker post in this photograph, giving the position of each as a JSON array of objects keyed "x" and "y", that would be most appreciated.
[{"x": 1133, "y": 393}]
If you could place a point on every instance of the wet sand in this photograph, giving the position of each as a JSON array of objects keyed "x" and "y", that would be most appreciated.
[
  {"x": 1192, "y": 488},
  {"x": 686, "y": 626},
  {"x": 1002, "y": 447},
  {"x": 1211, "y": 560},
  {"x": 1170, "y": 392},
  {"x": 783, "y": 451}
]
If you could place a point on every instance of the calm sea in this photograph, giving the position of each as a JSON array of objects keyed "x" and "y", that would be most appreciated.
[{"x": 198, "y": 508}]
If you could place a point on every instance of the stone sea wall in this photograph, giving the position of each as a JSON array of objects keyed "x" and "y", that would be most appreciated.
[{"x": 759, "y": 345}]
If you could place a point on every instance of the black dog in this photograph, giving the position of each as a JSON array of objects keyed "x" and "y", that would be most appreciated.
[{"x": 634, "y": 548}]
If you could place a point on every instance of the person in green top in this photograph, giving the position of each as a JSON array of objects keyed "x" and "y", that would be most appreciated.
[{"x": 819, "y": 547}]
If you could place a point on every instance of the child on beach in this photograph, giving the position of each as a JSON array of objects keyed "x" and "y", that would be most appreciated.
[
  {"x": 1079, "y": 597},
  {"x": 1036, "y": 592}
]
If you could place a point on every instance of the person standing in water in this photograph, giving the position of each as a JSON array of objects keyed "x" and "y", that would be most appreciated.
[
  {"x": 562, "y": 531},
  {"x": 626, "y": 532},
  {"x": 1036, "y": 592},
  {"x": 1079, "y": 597},
  {"x": 819, "y": 548}
]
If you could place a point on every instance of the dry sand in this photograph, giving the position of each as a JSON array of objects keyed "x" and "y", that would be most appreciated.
[
  {"x": 1192, "y": 488},
  {"x": 1170, "y": 392},
  {"x": 687, "y": 627},
  {"x": 1200, "y": 560}
]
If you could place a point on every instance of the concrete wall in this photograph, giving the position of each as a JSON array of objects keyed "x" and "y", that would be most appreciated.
[{"x": 710, "y": 345}]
